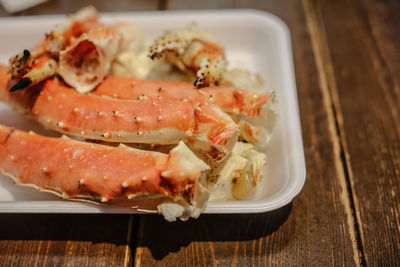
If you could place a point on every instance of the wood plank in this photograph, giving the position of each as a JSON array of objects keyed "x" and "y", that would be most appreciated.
[
  {"x": 363, "y": 38},
  {"x": 317, "y": 230},
  {"x": 67, "y": 239}
]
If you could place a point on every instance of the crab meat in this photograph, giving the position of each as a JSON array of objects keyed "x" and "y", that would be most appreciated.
[
  {"x": 237, "y": 101},
  {"x": 242, "y": 78},
  {"x": 81, "y": 51},
  {"x": 237, "y": 178},
  {"x": 194, "y": 50},
  {"x": 60, "y": 37},
  {"x": 87, "y": 60},
  {"x": 79, "y": 170}
]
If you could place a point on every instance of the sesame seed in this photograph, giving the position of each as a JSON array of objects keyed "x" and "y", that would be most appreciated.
[
  {"x": 106, "y": 134},
  {"x": 100, "y": 113},
  {"x": 144, "y": 178},
  {"x": 189, "y": 133},
  {"x": 49, "y": 97},
  {"x": 159, "y": 118},
  {"x": 91, "y": 146},
  {"x": 44, "y": 170},
  {"x": 76, "y": 109},
  {"x": 138, "y": 119},
  {"x": 60, "y": 124},
  {"x": 124, "y": 184},
  {"x": 140, "y": 133},
  {"x": 164, "y": 174},
  {"x": 105, "y": 177},
  {"x": 153, "y": 103},
  {"x": 82, "y": 132},
  {"x": 116, "y": 113},
  {"x": 12, "y": 157},
  {"x": 81, "y": 181},
  {"x": 104, "y": 199}
]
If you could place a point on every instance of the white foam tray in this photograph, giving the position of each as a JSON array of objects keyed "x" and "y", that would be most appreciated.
[{"x": 256, "y": 40}]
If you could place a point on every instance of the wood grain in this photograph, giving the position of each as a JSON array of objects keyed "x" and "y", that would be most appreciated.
[
  {"x": 64, "y": 240},
  {"x": 363, "y": 40},
  {"x": 319, "y": 230}
]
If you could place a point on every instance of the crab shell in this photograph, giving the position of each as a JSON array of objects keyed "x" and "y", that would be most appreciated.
[
  {"x": 194, "y": 50},
  {"x": 78, "y": 170},
  {"x": 161, "y": 121},
  {"x": 236, "y": 101}
]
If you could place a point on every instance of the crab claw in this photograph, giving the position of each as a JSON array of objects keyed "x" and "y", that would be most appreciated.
[
  {"x": 32, "y": 71},
  {"x": 194, "y": 50}
]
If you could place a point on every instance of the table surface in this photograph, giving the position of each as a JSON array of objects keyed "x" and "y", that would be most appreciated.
[{"x": 346, "y": 59}]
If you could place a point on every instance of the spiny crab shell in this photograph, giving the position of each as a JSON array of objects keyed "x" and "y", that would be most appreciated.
[{"x": 194, "y": 50}]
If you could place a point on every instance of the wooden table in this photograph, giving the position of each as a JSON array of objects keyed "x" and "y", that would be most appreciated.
[{"x": 347, "y": 63}]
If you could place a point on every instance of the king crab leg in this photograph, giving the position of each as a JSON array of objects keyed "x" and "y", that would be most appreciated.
[
  {"x": 237, "y": 101},
  {"x": 78, "y": 170}
]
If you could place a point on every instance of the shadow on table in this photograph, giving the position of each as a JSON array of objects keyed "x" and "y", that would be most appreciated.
[
  {"x": 96, "y": 228},
  {"x": 161, "y": 237}
]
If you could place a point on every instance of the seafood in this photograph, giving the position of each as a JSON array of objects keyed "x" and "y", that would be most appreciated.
[
  {"x": 161, "y": 121},
  {"x": 241, "y": 78},
  {"x": 81, "y": 51},
  {"x": 194, "y": 50},
  {"x": 32, "y": 67},
  {"x": 236, "y": 101},
  {"x": 240, "y": 174},
  {"x": 67, "y": 84},
  {"x": 78, "y": 170},
  {"x": 87, "y": 60}
]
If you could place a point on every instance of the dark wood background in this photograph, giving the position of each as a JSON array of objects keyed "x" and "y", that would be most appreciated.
[{"x": 347, "y": 61}]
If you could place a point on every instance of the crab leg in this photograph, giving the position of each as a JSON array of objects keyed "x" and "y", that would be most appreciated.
[
  {"x": 133, "y": 121},
  {"x": 79, "y": 170},
  {"x": 237, "y": 101}
]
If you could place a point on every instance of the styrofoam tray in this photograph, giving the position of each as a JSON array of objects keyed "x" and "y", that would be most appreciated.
[{"x": 255, "y": 40}]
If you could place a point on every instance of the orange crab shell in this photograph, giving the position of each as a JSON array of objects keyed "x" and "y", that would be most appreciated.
[
  {"x": 74, "y": 169},
  {"x": 238, "y": 101}
]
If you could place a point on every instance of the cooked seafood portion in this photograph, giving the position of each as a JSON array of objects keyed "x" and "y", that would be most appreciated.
[
  {"x": 237, "y": 101},
  {"x": 192, "y": 49},
  {"x": 238, "y": 176},
  {"x": 78, "y": 170},
  {"x": 72, "y": 83},
  {"x": 160, "y": 121},
  {"x": 87, "y": 60}
]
